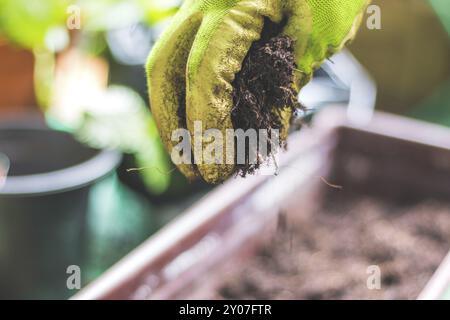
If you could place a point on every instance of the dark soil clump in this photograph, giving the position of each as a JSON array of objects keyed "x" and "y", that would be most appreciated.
[{"x": 264, "y": 87}]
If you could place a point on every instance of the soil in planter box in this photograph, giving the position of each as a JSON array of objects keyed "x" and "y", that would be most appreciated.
[{"x": 325, "y": 254}]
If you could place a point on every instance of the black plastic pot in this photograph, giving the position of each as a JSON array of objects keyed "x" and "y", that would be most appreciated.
[{"x": 43, "y": 206}]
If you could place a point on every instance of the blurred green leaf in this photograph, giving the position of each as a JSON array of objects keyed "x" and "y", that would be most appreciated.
[
  {"x": 123, "y": 122},
  {"x": 27, "y": 23},
  {"x": 442, "y": 8}
]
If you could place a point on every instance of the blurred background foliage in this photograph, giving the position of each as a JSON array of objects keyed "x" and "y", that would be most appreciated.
[
  {"x": 33, "y": 24},
  {"x": 30, "y": 24},
  {"x": 107, "y": 117},
  {"x": 90, "y": 82}
]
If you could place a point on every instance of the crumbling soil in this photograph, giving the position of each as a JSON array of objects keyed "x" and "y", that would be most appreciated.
[
  {"x": 264, "y": 87},
  {"x": 326, "y": 253}
]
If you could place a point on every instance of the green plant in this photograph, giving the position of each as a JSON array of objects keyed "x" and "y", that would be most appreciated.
[
  {"x": 125, "y": 123},
  {"x": 29, "y": 23}
]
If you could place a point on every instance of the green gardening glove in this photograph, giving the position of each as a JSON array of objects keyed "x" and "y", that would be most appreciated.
[{"x": 192, "y": 67}]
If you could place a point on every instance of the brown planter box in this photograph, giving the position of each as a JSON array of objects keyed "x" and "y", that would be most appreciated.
[{"x": 232, "y": 220}]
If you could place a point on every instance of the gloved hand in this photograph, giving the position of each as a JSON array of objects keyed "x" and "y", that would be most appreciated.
[{"x": 191, "y": 68}]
